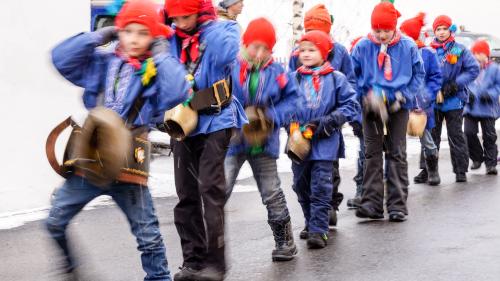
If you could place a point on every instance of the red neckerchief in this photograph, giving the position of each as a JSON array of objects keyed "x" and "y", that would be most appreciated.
[
  {"x": 420, "y": 44},
  {"x": 444, "y": 45},
  {"x": 383, "y": 59},
  {"x": 191, "y": 42},
  {"x": 325, "y": 69},
  {"x": 134, "y": 61},
  {"x": 247, "y": 66},
  {"x": 486, "y": 65}
]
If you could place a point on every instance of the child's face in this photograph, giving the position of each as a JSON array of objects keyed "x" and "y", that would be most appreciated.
[
  {"x": 384, "y": 35},
  {"x": 309, "y": 54},
  {"x": 442, "y": 33},
  {"x": 481, "y": 58},
  {"x": 135, "y": 39},
  {"x": 258, "y": 52},
  {"x": 236, "y": 8},
  {"x": 186, "y": 23}
]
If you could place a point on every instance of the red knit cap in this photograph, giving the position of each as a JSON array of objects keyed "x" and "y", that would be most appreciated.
[
  {"x": 413, "y": 26},
  {"x": 318, "y": 18},
  {"x": 442, "y": 20},
  {"x": 260, "y": 29},
  {"x": 178, "y": 8},
  {"x": 481, "y": 47},
  {"x": 321, "y": 40},
  {"x": 385, "y": 16},
  {"x": 144, "y": 12}
]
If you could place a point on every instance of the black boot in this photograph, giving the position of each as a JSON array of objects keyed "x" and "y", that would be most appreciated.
[
  {"x": 421, "y": 177},
  {"x": 462, "y": 177},
  {"x": 491, "y": 170},
  {"x": 68, "y": 263},
  {"x": 332, "y": 217},
  {"x": 432, "y": 169},
  {"x": 317, "y": 240},
  {"x": 186, "y": 274},
  {"x": 354, "y": 203},
  {"x": 475, "y": 165},
  {"x": 304, "y": 232},
  {"x": 283, "y": 237}
]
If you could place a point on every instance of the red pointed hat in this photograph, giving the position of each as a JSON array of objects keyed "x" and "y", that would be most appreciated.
[
  {"x": 385, "y": 16},
  {"x": 481, "y": 47},
  {"x": 318, "y": 18},
  {"x": 320, "y": 39},
  {"x": 178, "y": 8},
  {"x": 143, "y": 12},
  {"x": 260, "y": 29},
  {"x": 413, "y": 26}
]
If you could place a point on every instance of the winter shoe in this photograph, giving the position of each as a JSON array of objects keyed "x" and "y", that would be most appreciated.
[
  {"x": 432, "y": 168},
  {"x": 332, "y": 217},
  {"x": 421, "y": 177},
  {"x": 491, "y": 170},
  {"x": 368, "y": 213},
  {"x": 397, "y": 216},
  {"x": 317, "y": 240},
  {"x": 186, "y": 274},
  {"x": 354, "y": 203},
  {"x": 304, "y": 233},
  {"x": 283, "y": 237},
  {"x": 209, "y": 274},
  {"x": 475, "y": 165},
  {"x": 462, "y": 177}
]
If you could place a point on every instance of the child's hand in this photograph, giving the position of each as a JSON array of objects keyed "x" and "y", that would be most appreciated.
[
  {"x": 108, "y": 34},
  {"x": 159, "y": 46}
]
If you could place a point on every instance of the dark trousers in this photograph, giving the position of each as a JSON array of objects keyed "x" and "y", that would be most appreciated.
[
  {"x": 337, "y": 197},
  {"x": 397, "y": 166},
  {"x": 358, "y": 132},
  {"x": 456, "y": 138},
  {"x": 487, "y": 152},
  {"x": 201, "y": 187},
  {"x": 312, "y": 182}
]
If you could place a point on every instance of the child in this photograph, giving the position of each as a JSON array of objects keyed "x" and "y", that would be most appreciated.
[
  {"x": 389, "y": 70},
  {"x": 426, "y": 99},
  {"x": 459, "y": 69},
  {"x": 261, "y": 82},
  {"x": 318, "y": 18},
  {"x": 207, "y": 48},
  {"x": 484, "y": 108},
  {"x": 118, "y": 74},
  {"x": 329, "y": 101}
]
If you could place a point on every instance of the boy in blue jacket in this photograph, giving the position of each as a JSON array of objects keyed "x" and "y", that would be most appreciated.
[
  {"x": 426, "y": 99},
  {"x": 208, "y": 48},
  {"x": 318, "y": 18},
  {"x": 120, "y": 76},
  {"x": 459, "y": 69},
  {"x": 389, "y": 72},
  {"x": 328, "y": 102},
  {"x": 483, "y": 108},
  {"x": 260, "y": 82}
]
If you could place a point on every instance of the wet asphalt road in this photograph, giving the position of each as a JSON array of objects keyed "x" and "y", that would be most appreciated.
[{"x": 452, "y": 233}]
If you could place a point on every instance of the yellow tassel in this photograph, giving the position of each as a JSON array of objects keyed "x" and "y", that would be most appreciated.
[{"x": 149, "y": 72}]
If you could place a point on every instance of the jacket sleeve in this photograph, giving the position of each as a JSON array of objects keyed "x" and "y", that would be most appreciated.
[
  {"x": 292, "y": 63},
  {"x": 284, "y": 110},
  {"x": 434, "y": 78},
  {"x": 470, "y": 69},
  {"x": 173, "y": 88},
  {"x": 228, "y": 41},
  {"x": 356, "y": 58},
  {"x": 348, "y": 69},
  {"x": 78, "y": 61},
  {"x": 418, "y": 74},
  {"x": 494, "y": 89},
  {"x": 347, "y": 107}
]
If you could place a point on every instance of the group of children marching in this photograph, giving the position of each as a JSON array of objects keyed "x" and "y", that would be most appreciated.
[{"x": 388, "y": 74}]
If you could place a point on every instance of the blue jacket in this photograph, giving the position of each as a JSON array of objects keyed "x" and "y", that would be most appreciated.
[
  {"x": 277, "y": 92},
  {"x": 78, "y": 60},
  {"x": 488, "y": 82},
  {"x": 407, "y": 68},
  {"x": 222, "y": 41},
  {"x": 336, "y": 99},
  {"x": 426, "y": 96},
  {"x": 463, "y": 73}
]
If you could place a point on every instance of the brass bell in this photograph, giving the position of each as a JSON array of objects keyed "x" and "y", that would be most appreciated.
[
  {"x": 180, "y": 121},
  {"x": 259, "y": 127}
]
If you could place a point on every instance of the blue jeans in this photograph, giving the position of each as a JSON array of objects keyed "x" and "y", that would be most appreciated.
[
  {"x": 312, "y": 181},
  {"x": 265, "y": 172},
  {"x": 428, "y": 148},
  {"x": 136, "y": 203}
]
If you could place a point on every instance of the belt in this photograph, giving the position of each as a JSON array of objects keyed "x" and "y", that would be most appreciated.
[{"x": 212, "y": 99}]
